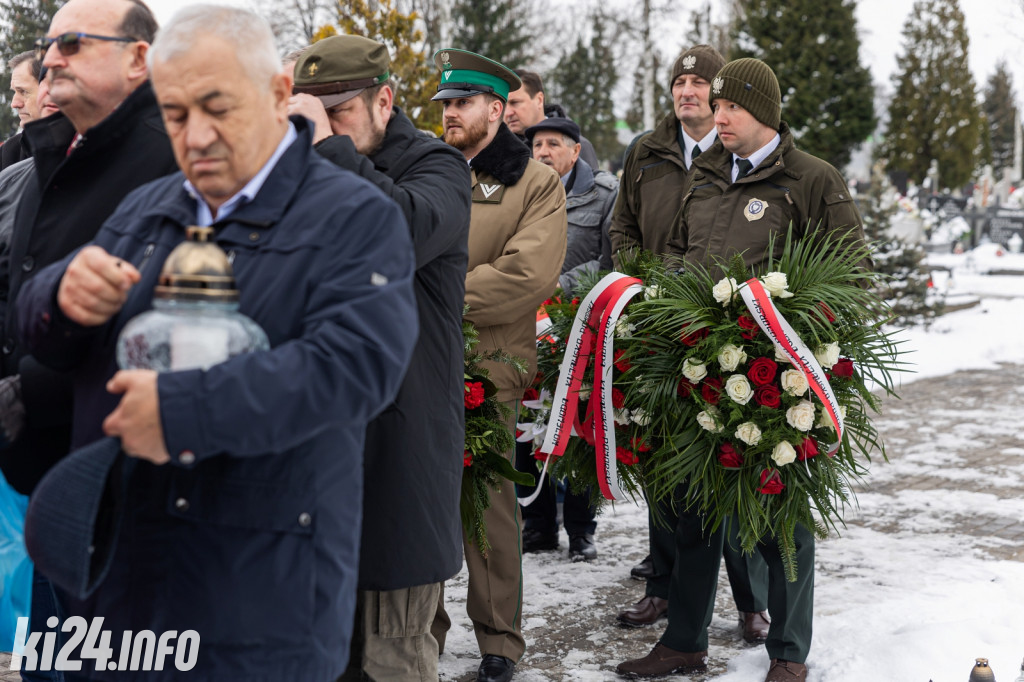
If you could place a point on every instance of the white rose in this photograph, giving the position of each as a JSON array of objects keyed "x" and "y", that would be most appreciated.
[
  {"x": 738, "y": 388},
  {"x": 623, "y": 327},
  {"x": 639, "y": 417},
  {"x": 826, "y": 421},
  {"x": 585, "y": 393},
  {"x": 730, "y": 357},
  {"x": 794, "y": 382},
  {"x": 653, "y": 291},
  {"x": 783, "y": 453},
  {"x": 827, "y": 355},
  {"x": 708, "y": 419},
  {"x": 725, "y": 290},
  {"x": 749, "y": 433},
  {"x": 694, "y": 371},
  {"x": 621, "y": 416},
  {"x": 801, "y": 415},
  {"x": 775, "y": 283},
  {"x": 780, "y": 355}
]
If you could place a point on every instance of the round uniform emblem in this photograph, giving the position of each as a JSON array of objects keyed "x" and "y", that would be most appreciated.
[
  {"x": 755, "y": 209},
  {"x": 716, "y": 85}
]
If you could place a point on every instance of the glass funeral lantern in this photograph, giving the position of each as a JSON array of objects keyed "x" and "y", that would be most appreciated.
[{"x": 194, "y": 323}]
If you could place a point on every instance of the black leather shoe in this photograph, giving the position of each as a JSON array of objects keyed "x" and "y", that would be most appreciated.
[
  {"x": 536, "y": 541},
  {"x": 644, "y": 569},
  {"x": 495, "y": 669},
  {"x": 581, "y": 548}
]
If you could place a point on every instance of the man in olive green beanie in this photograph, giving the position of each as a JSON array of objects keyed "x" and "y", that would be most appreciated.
[
  {"x": 655, "y": 175},
  {"x": 748, "y": 193}
]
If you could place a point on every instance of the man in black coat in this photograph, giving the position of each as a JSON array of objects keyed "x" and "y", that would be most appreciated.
[
  {"x": 412, "y": 535},
  {"x": 107, "y": 140}
]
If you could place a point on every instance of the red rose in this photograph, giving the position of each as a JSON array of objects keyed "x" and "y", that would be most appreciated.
[
  {"x": 771, "y": 482},
  {"x": 618, "y": 399},
  {"x": 826, "y": 311},
  {"x": 768, "y": 395},
  {"x": 807, "y": 449},
  {"x": 474, "y": 396},
  {"x": 626, "y": 456},
  {"x": 748, "y": 325},
  {"x": 542, "y": 456},
  {"x": 762, "y": 371},
  {"x": 693, "y": 338},
  {"x": 639, "y": 445},
  {"x": 843, "y": 368},
  {"x": 467, "y": 458},
  {"x": 531, "y": 394},
  {"x": 728, "y": 457},
  {"x": 711, "y": 390},
  {"x": 684, "y": 389},
  {"x": 621, "y": 363},
  {"x": 575, "y": 301}
]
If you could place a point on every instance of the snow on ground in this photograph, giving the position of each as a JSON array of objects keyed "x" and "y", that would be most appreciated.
[{"x": 906, "y": 594}]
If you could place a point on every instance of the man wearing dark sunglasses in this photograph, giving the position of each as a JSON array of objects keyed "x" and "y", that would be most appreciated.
[{"x": 107, "y": 139}]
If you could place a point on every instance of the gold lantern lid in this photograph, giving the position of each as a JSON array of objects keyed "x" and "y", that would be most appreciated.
[{"x": 197, "y": 270}]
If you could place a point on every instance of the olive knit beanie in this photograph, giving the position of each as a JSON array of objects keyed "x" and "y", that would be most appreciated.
[
  {"x": 752, "y": 84},
  {"x": 703, "y": 60}
]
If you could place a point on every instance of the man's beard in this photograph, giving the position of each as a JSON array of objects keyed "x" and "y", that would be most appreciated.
[{"x": 468, "y": 136}]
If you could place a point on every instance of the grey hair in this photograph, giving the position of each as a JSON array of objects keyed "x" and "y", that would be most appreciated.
[{"x": 247, "y": 32}]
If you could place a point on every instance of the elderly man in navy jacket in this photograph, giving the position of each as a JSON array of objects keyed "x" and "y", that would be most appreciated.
[{"x": 244, "y": 494}]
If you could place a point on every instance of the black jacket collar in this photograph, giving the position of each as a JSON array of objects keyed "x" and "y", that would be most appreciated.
[{"x": 505, "y": 158}]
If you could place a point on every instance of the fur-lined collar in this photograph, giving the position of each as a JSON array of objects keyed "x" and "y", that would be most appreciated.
[{"x": 505, "y": 157}]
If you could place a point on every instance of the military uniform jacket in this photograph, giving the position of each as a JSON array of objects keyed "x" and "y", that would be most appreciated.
[
  {"x": 517, "y": 234},
  {"x": 789, "y": 191},
  {"x": 650, "y": 192}
]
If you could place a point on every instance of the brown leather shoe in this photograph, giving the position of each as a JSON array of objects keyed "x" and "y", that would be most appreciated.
[
  {"x": 755, "y": 626},
  {"x": 786, "y": 671},
  {"x": 664, "y": 661},
  {"x": 647, "y": 611}
]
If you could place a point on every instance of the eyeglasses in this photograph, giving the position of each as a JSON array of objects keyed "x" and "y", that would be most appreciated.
[{"x": 69, "y": 43}]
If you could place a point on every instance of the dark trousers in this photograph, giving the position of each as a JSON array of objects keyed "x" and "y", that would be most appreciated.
[
  {"x": 694, "y": 582},
  {"x": 748, "y": 573},
  {"x": 578, "y": 516}
]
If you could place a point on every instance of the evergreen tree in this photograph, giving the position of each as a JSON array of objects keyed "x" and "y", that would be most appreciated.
[
  {"x": 413, "y": 74},
  {"x": 934, "y": 114},
  {"x": 1000, "y": 107},
  {"x": 583, "y": 83},
  {"x": 662, "y": 95},
  {"x": 496, "y": 29},
  {"x": 813, "y": 47},
  {"x": 21, "y": 23},
  {"x": 907, "y": 284}
]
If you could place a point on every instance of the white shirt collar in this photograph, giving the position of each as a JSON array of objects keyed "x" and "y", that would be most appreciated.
[
  {"x": 704, "y": 144},
  {"x": 204, "y": 216},
  {"x": 757, "y": 157}
]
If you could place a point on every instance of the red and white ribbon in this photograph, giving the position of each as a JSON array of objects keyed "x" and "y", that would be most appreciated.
[
  {"x": 785, "y": 337},
  {"x": 592, "y": 333}
]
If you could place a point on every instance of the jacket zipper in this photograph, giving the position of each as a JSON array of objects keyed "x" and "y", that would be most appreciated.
[{"x": 146, "y": 255}]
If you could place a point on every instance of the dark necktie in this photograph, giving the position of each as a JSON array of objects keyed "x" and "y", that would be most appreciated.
[
  {"x": 695, "y": 153},
  {"x": 744, "y": 166}
]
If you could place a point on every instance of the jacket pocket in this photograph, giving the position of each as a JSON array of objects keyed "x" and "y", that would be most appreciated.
[{"x": 244, "y": 567}]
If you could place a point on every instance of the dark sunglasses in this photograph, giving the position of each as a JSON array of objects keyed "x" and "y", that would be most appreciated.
[{"x": 69, "y": 43}]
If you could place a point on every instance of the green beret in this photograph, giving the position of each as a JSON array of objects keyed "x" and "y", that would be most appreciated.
[{"x": 338, "y": 68}]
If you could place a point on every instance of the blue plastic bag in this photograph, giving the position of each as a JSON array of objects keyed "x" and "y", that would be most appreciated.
[{"x": 15, "y": 566}]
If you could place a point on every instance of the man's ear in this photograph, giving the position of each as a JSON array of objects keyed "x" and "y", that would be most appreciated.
[
  {"x": 496, "y": 110},
  {"x": 281, "y": 91},
  {"x": 137, "y": 69}
]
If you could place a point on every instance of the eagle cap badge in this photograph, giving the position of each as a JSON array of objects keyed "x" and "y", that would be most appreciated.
[
  {"x": 716, "y": 85},
  {"x": 689, "y": 61}
]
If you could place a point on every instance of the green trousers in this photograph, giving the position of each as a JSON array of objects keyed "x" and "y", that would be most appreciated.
[
  {"x": 748, "y": 573},
  {"x": 691, "y": 599}
]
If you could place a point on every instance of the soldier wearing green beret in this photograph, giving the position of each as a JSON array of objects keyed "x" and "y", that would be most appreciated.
[
  {"x": 517, "y": 239},
  {"x": 412, "y": 463}
]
